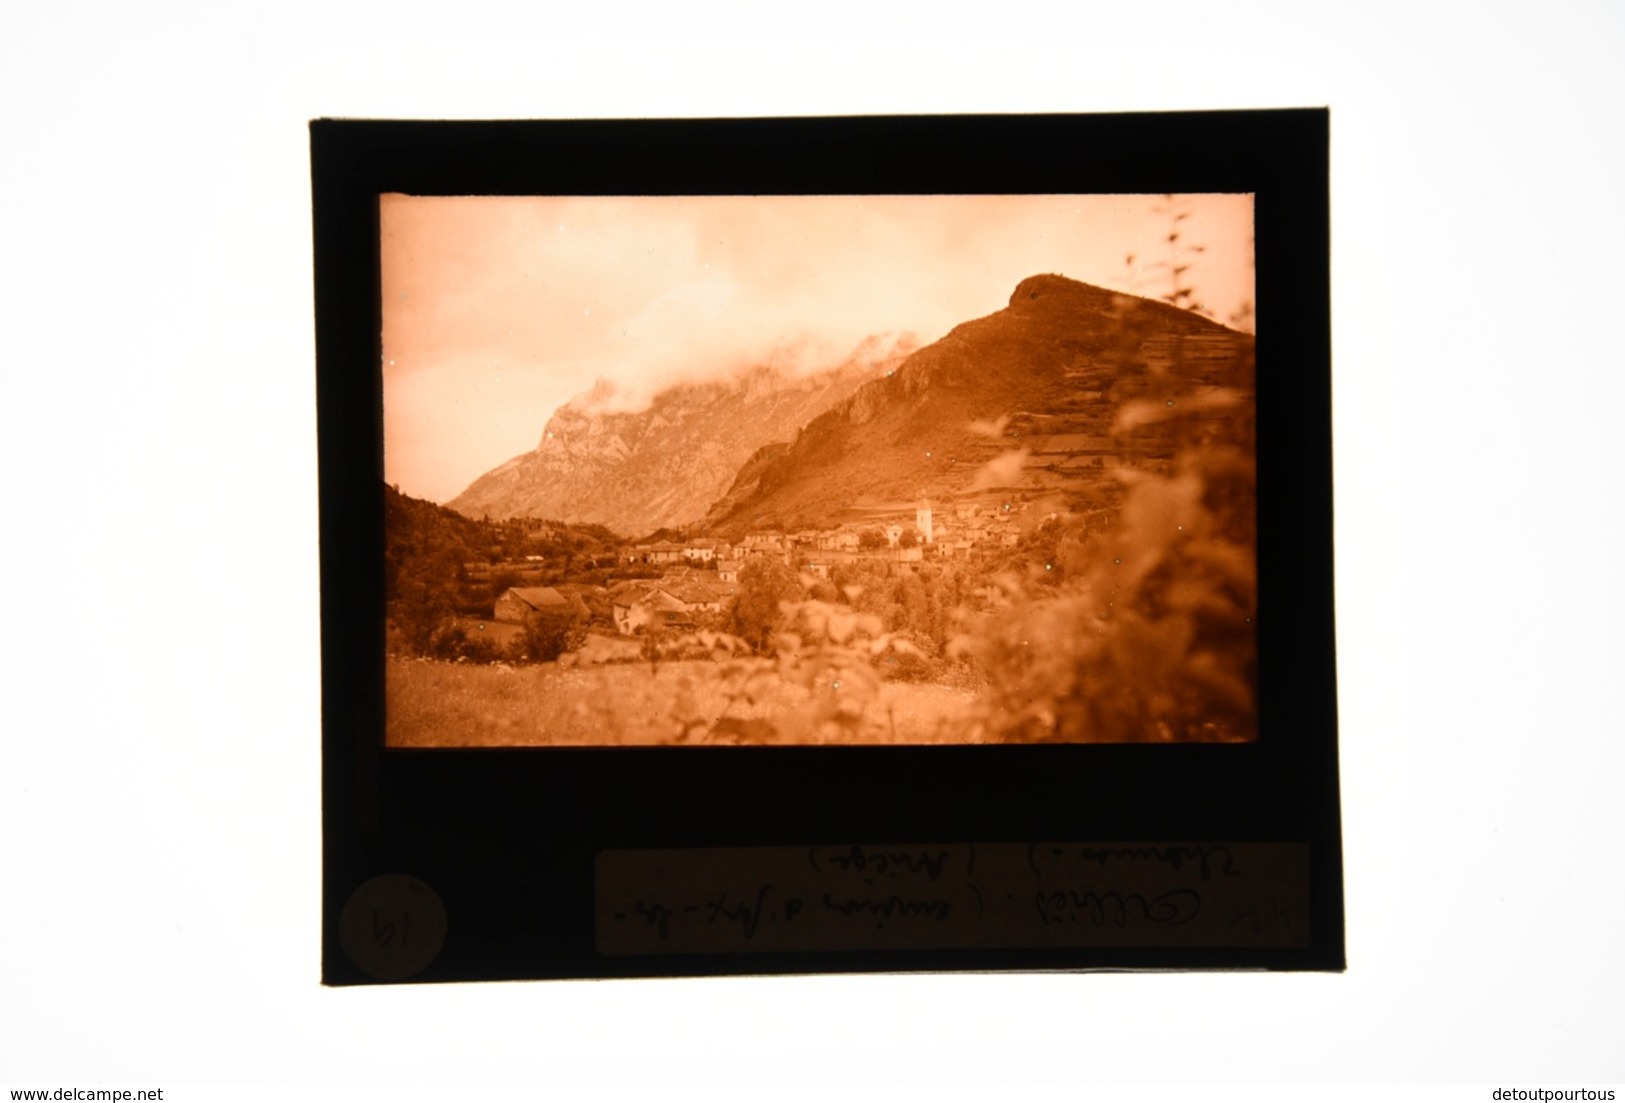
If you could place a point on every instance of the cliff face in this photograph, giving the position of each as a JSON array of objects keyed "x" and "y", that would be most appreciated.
[{"x": 665, "y": 465}]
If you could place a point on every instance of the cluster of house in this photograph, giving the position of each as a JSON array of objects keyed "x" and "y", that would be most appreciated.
[
  {"x": 676, "y": 600},
  {"x": 701, "y": 575},
  {"x": 972, "y": 527}
]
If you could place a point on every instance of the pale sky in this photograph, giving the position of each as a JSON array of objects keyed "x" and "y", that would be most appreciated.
[{"x": 497, "y": 310}]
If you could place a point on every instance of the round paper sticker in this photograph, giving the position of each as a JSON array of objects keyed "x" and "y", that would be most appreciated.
[{"x": 393, "y": 927}]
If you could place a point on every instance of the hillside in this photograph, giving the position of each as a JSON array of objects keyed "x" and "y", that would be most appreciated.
[
  {"x": 664, "y": 465},
  {"x": 1024, "y": 401}
]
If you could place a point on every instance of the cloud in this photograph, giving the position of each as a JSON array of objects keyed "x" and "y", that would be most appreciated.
[
  {"x": 1002, "y": 470},
  {"x": 551, "y": 294},
  {"x": 993, "y": 429}
]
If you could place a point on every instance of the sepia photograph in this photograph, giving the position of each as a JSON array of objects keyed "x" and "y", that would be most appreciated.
[
  {"x": 761, "y": 561},
  {"x": 818, "y": 469}
]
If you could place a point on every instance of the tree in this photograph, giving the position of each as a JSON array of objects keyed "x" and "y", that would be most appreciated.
[
  {"x": 599, "y": 609},
  {"x": 654, "y": 638},
  {"x": 549, "y": 633},
  {"x": 871, "y": 539},
  {"x": 909, "y": 539},
  {"x": 864, "y": 584},
  {"x": 763, "y": 585},
  {"x": 424, "y": 601},
  {"x": 911, "y": 604}
]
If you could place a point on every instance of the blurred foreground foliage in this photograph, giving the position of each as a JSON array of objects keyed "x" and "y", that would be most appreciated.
[{"x": 1140, "y": 626}]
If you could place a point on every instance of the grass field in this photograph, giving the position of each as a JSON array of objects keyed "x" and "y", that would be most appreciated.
[{"x": 434, "y": 704}]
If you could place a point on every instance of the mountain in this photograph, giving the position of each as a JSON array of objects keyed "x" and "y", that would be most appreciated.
[
  {"x": 1042, "y": 398},
  {"x": 664, "y": 465}
]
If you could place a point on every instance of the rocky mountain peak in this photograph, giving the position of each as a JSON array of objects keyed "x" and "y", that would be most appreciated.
[
  {"x": 1050, "y": 286},
  {"x": 663, "y": 465},
  {"x": 1026, "y": 398}
]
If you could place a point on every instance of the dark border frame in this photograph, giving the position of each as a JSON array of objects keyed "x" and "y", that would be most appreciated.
[{"x": 508, "y": 837}]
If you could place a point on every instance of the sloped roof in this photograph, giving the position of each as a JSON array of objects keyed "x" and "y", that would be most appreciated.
[
  {"x": 669, "y": 590},
  {"x": 690, "y": 593},
  {"x": 539, "y": 597}
]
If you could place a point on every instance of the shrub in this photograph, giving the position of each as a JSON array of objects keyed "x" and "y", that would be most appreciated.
[
  {"x": 910, "y": 657},
  {"x": 1154, "y": 641},
  {"x": 550, "y": 633}
]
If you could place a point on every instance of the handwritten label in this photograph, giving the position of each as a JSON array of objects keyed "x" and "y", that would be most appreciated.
[
  {"x": 393, "y": 927},
  {"x": 953, "y": 896}
]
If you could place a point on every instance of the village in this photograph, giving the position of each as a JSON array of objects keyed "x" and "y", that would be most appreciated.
[{"x": 699, "y": 577}]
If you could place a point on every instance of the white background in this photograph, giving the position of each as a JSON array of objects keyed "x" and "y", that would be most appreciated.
[{"x": 158, "y": 788}]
